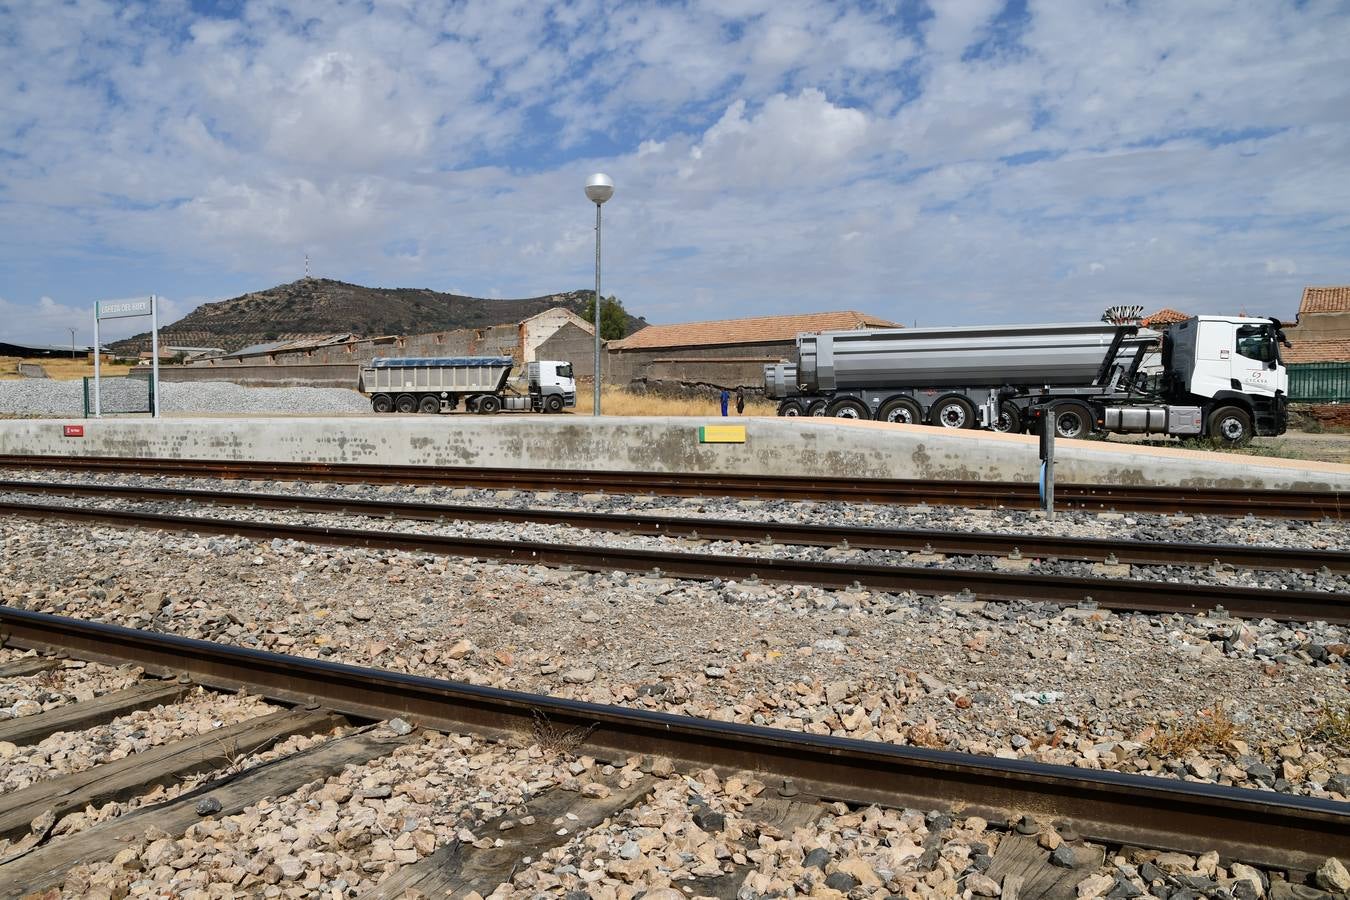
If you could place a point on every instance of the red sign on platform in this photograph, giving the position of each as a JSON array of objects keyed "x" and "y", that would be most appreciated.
[{"x": 73, "y": 430}]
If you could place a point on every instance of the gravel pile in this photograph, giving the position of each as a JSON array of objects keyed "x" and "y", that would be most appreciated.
[
  {"x": 1257, "y": 704},
  {"x": 46, "y": 397}
]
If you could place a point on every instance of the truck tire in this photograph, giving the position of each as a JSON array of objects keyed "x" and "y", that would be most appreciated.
[
  {"x": 488, "y": 404},
  {"x": 553, "y": 404},
  {"x": 406, "y": 403},
  {"x": 429, "y": 404},
  {"x": 1073, "y": 420},
  {"x": 817, "y": 408},
  {"x": 848, "y": 408},
  {"x": 382, "y": 403},
  {"x": 1230, "y": 424},
  {"x": 1009, "y": 420},
  {"x": 790, "y": 408},
  {"x": 903, "y": 411},
  {"x": 952, "y": 412}
]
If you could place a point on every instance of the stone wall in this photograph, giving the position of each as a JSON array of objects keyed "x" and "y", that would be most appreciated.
[
  {"x": 725, "y": 366},
  {"x": 573, "y": 344}
]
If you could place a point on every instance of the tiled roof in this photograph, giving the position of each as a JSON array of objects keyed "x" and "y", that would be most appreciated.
[
  {"x": 761, "y": 329},
  {"x": 1316, "y": 351},
  {"x": 1325, "y": 300},
  {"x": 1164, "y": 316}
]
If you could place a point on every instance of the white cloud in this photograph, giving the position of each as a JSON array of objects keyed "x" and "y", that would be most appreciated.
[{"x": 793, "y": 154}]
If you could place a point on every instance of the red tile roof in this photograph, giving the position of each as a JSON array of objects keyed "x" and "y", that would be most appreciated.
[
  {"x": 1164, "y": 316},
  {"x": 1325, "y": 300},
  {"x": 758, "y": 330},
  {"x": 1316, "y": 351}
]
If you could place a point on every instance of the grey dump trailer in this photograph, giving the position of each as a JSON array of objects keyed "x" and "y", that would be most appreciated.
[
  {"x": 482, "y": 384},
  {"x": 1215, "y": 376}
]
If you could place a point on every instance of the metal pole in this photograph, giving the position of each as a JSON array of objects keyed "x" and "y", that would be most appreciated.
[
  {"x": 98, "y": 389},
  {"x": 1048, "y": 427},
  {"x": 596, "y": 406},
  {"x": 154, "y": 357}
]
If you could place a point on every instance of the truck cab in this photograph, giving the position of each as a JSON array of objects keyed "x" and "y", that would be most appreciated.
[
  {"x": 551, "y": 378},
  {"x": 1233, "y": 363}
]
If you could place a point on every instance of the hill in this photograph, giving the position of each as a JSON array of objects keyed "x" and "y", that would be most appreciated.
[{"x": 314, "y": 307}]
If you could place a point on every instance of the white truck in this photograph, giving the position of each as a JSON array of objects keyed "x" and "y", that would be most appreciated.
[
  {"x": 482, "y": 383},
  {"x": 1213, "y": 376}
]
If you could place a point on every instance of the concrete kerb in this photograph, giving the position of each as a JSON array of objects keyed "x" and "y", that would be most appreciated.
[{"x": 792, "y": 447}]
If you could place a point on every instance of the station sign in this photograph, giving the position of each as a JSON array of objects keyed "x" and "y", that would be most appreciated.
[
  {"x": 72, "y": 431},
  {"x": 123, "y": 309}
]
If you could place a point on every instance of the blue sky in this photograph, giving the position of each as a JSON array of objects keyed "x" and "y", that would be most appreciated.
[{"x": 960, "y": 162}]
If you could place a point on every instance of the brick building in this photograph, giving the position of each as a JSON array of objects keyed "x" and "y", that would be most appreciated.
[{"x": 725, "y": 353}]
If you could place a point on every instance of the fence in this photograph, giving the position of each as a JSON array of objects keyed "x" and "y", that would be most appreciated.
[
  {"x": 119, "y": 394},
  {"x": 1319, "y": 382}
]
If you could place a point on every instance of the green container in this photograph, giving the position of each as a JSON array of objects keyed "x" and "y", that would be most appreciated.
[{"x": 1319, "y": 382}]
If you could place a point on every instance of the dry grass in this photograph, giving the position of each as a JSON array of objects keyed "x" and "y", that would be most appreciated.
[
  {"x": 60, "y": 368},
  {"x": 1333, "y": 725},
  {"x": 618, "y": 402},
  {"x": 1208, "y": 730}
]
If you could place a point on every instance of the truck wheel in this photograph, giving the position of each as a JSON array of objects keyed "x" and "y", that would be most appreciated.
[
  {"x": 406, "y": 403},
  {"x": 903, "y": 411},
  {"x": 848, "y": 409},
  {"x": 1009, "y": 420},
  {"x": 790, "y": 408},
  {"x": 488, "y": 404},
  {"x": 382, "y": 403},
  {"x": 952, "y": 412},
  {"x": 553, "y": 403},
  {"x": 1073, "y": 420},
  {"x": 1230, "y": 424},
  {"x": 817, "y": 408},
  {"x": 429, "y": 405}
]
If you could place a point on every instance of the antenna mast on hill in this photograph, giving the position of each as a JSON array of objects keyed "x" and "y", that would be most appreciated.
[{"x": 307, "y": 267}]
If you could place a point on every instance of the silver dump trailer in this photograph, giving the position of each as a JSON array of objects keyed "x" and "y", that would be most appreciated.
[
  {"x": 482, "y": 383},
  {"x": 1211, "y": 375}
]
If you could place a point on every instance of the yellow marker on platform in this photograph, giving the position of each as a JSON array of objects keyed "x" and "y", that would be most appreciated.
[{"x": 721, "y": 434}]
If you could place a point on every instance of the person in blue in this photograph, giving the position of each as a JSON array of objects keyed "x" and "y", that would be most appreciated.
[{"x": 726, "y": 397}]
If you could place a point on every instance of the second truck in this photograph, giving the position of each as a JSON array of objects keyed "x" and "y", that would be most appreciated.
[
  {"x": 1209, "y": 376},
  {"x": 481, "y": 384}
]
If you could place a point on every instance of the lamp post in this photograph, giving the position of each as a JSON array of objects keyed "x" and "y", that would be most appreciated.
[
  {"x": 72, "y": 342},
  {"x": 599, "y": 188}
]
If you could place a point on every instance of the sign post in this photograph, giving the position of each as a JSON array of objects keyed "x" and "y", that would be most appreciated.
[
  {"x": 125, "y": 309},
  {"x": 1048, "y": 462}
]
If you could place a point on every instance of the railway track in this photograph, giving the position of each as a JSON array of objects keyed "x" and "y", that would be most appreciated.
[
  {"x": 1256, "y": 827},
  {"x": 1014, "y": 495},
  {"x": 1118, "y": 594},
  {"x": 812, "y": 535}
]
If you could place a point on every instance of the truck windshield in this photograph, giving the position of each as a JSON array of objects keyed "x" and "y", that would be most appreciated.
[
  {"x": 1256, "y": 342},
  {"x": 565, "y": 370}
]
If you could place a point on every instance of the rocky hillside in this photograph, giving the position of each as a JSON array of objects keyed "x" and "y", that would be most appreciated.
[{"x": 314, "y": 307}]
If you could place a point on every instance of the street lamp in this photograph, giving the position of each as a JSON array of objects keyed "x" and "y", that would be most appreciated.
[
  {"x": 72, "y": 341},
  {"x": 599, "y": 188}
]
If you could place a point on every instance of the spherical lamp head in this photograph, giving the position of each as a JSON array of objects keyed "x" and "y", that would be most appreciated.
[{"x": 599, "y": 188}]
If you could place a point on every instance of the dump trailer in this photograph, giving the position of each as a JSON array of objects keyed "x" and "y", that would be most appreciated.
[
  {"x": 483, "y": 384},
  {"x": 1218, "y": 376}
]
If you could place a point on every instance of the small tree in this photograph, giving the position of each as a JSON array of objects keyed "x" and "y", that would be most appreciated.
[{"x": 613, "y": 317}]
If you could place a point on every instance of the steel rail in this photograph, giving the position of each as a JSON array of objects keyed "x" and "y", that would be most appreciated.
[
  {"x": 1258, "y": 827},
  {"x": 1119, "y": 594},
  {"x": 866, "y": 538},
  {"x": 1300, "y": 504}
]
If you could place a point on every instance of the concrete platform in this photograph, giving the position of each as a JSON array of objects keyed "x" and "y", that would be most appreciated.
[{"x": 774, "y": 446}]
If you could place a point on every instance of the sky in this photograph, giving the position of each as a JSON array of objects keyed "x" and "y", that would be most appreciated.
[{"x": 952, "y": 162}]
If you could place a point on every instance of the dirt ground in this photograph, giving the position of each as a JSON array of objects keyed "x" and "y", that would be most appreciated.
[{"x": 1332, "y": 447}]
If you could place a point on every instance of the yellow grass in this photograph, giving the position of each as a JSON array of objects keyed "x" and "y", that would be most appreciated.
[
  {"x": 60, "y": 368},
  {"x": 618, "y": 402}
]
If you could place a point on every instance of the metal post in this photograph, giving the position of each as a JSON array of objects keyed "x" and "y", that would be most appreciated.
[
  {"x": 154, "y": 357},
  {"x": 98, "y": 387},
  {"x": 1048, "y": 462},
  {"x": 596, "y": 408}
]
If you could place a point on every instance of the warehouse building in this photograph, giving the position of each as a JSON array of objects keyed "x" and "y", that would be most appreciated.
[
  {"x": 725, "y": 353},
  {"x": 334, "y": 360}
]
